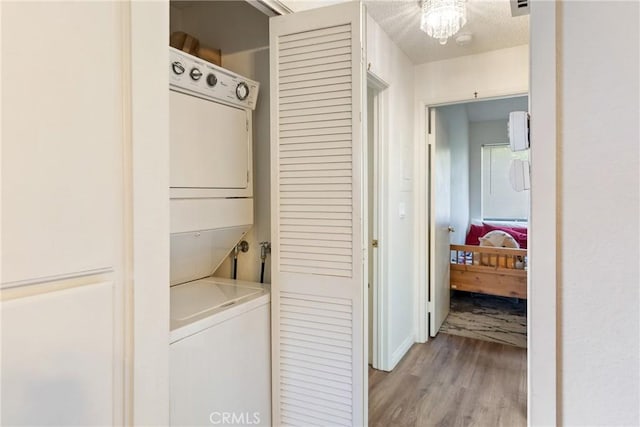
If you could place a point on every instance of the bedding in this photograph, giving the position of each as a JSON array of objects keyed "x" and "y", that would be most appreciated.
[
  {"x": 492, "y": 270},
  {"x": 476, "y": 231}
]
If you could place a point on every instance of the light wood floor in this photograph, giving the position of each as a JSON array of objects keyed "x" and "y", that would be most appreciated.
[{"x": 452, "y": 381}]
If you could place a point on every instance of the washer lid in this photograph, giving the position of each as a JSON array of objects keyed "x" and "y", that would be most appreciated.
[{"x": 196, "y": 298}]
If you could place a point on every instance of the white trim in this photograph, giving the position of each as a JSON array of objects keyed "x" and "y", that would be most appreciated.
[
  {"x": 149, "y": 301},
  {"x": 484, "y": 98},
  {"x": 380, "y": 359},
  {"x": 270, "y": 7},
  {"x": 44, "y": 280},
  {"x": 542, "y": 321},
  {"x": 402, "y": 350},
  {"x": 421, "y": 211}
]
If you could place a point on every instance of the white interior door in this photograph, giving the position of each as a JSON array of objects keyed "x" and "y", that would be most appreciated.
[
  {"x": 319, "y": 259},
  {"x": 440, "y": 157}
]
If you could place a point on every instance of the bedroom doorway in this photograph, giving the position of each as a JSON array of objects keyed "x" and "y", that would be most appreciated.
[
  {"x": 486, "y": 258},
  {"x": 466, "y": 375}
]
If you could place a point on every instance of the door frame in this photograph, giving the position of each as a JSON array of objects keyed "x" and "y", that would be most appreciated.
[
  {"x": 146, "y": 373},
  {"x": 424, "y": 201},
  {"x": 380, "y": 357},
  {"x": 542, "y": 316}
]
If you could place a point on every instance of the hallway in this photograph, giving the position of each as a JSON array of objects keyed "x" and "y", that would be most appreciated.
[{"x": 452, "y": 381}]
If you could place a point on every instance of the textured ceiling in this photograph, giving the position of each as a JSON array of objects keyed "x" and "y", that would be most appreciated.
[{"x": 489, "y": 21}]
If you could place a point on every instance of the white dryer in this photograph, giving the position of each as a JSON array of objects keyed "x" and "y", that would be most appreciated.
[
  {"x": 210, "y": 129},
  {"x": 220, "y": 329}
]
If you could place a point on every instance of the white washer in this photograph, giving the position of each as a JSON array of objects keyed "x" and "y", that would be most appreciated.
[
  {"x": 220, "y": 353},
  {"x": 220, "y": 364}
]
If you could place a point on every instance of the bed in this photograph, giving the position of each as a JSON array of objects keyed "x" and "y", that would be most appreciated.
[{"x": 490, "y": 270}]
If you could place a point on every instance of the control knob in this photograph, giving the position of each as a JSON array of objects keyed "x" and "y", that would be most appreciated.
[
  {"x": 195, "y": 74},
  {"x": 212, "y": 80},
  {"x": 242, "y": 91},
  {"x": 178, "y": 68}
]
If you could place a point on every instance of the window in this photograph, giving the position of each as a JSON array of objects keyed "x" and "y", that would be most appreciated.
[{"x": 500, "y": 202}]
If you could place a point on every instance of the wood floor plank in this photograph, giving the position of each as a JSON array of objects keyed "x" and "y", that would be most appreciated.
[{"x": 452, "y": 381}]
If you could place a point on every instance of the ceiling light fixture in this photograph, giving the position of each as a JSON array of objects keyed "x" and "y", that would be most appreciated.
[{"x": 443, "y": 18}]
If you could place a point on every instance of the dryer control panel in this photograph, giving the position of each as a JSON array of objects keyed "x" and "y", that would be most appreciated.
[{"x": 196, "y": 76}]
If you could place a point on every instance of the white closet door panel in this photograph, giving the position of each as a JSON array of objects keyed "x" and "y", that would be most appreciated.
[
  {"x": 292, "y": 143},
  {"x": 304, "y": 124},
  {"x": 62, "y": 132},
  {"x": 209, "y": 144},
  {"x": 313, "y": 173},
  {"x": 286, "y": 69},
  {"x": 318, "y": 284},
  {"x": 304, "y": 57},
  {"x": 312, "y": 110},
  {"x": 317, "y": 71},
  {"x": 315, "y": 44},
  {"x": 313, "y": 34},
  {"x": 299, "y": 94},
  {"x": 58, "y": 358},
  {"x": 310, "y": 118},
  {"x": 303, "y": 103},
  {"x": 317, "y": 248},
  {"x": 318, "y": 180},
  {"x": 327, "y": 222},
  {"x": 315, "y": 82}
]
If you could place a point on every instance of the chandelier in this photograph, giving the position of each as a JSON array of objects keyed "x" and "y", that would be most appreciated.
[{"x": 443, "y": 18}]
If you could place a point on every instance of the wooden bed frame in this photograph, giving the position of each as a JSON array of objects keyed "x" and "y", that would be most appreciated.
[{"x": 489, "y": 270}]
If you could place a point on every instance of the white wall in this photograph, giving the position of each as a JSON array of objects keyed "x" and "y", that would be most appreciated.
[
  {"x": 390, "y": 64},
  {"x": 456, "y": 119},
  {"x": 492, "y": 74},
  {"x": 481, "y": 133},
  {"x": 598, "y": 153},
  {"x": 245, "y": 51}
]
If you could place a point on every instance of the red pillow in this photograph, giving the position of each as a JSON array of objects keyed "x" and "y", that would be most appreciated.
[
  {"x": 515, "y": 232},
  {"x": 474, "y": 234},
  {"x": 523, "y": 230}
]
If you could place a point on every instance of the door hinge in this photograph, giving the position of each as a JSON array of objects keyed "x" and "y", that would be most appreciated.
[
  {"x": 429, "y": 307},
  {"x": 247, "y": 177},
  {"x": 247, "y": 123}
]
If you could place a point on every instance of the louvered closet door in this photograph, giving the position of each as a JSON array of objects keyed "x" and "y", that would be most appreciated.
[{"x": 317, "y": 281}]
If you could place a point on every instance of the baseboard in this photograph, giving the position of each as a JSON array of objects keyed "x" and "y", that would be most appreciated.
[{"x": 399, "y": 353}]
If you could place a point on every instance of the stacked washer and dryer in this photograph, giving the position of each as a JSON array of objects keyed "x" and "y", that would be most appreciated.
[{"x": 220, "y": 328}]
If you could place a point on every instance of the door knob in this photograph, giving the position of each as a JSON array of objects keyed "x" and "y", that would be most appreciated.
[
  {"x": 374, "y": 243},
  {"x": 451, "y": 229}
]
